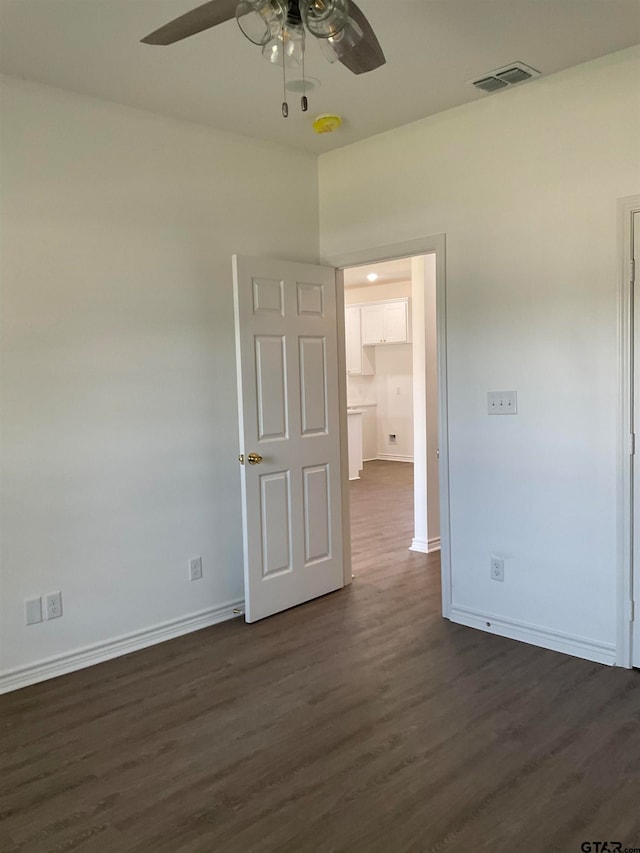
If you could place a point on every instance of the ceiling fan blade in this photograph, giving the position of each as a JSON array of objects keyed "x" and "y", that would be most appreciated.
[
  {"x": 367, "y": 55},
  {"x": 202, "y": 18}
]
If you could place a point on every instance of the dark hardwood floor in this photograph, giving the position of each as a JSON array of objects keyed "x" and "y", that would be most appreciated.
[{"x": 359, "y": 722}]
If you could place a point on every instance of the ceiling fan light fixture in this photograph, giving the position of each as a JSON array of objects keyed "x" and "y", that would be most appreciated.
[
  {"x": 261, "y": 20},
  {"x": 278, "y": 27},
  {"x": 324, "y": 18},
  {"x": 287, "y": 47},
  {"x": 337, "y": 46}
]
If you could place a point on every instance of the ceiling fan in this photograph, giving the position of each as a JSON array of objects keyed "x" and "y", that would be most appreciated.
[{"x": 279, "y": 26}]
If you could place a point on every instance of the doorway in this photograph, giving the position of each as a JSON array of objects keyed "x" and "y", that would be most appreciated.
[
  {"x": 428, "y": 453},
  {"x": 379, "y": 343},
  {"x": 290, "y": 336}
]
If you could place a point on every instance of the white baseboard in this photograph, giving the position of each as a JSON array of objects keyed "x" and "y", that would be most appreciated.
[
  {"x": 52, "y": 667},
  {"x": 557, "y": 641},
  {"x": 425, "y": 547},
  {"x": 390, "y": 457}
]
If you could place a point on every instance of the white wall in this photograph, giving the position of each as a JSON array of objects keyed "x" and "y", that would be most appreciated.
[
  {"x": 394, "y": 391},
  {"x": 524, "y": 184},
  {"x": 119, "y": 426}
]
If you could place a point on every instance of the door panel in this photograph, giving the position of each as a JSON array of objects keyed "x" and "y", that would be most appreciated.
[
  {"x": 268, "y": 297},
  {"x": 317, "y": 513},
  {"x": 287, "y": 361},
  {"x": 275, "y": 517},
  {"x": 311, "y": 300},
  {"x": 313, "y": 385},
  {"x": 271, "y": 381}
]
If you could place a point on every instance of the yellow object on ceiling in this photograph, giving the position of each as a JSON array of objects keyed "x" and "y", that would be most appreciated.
[{"x": 327, "y": 123}]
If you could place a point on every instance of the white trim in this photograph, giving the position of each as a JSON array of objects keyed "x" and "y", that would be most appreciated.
[
  {"x": 536, "y": 635},
  {"x": 424, "y": 246},
  {"x": 443, "y": 430},
  {"x": 22, "y": 676},
  {"x": 390, "y": 252},
  {"x": 425, "y": 547},
  {"x": 344, "y": 430},
  {"x": 392, "y": 457},
  {"x": 626, "y": 208}
]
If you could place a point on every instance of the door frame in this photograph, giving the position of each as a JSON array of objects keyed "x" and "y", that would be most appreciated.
[
  {"x": 433, "y": 244},
  {"x": 626, "y": 451}
]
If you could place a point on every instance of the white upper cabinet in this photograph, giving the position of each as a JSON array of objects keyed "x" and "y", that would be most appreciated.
[
  {"x": 359, "y": 362},
  {"x": 396, "y": 323},
  {"x": 385, "y": 322},
  {"x": 372, "y": 324}
]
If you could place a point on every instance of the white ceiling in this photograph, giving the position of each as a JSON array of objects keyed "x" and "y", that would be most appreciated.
[
  {"x": 387, "y": 272},
  {"x": 433, "y": 48}
]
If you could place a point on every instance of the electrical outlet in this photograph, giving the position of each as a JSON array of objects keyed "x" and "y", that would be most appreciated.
[
  {"x": 497, "y": 569},
  {"x": 393, "y": 439},
  {"x": 33, "y": 611},
  {"x": 54, "y": 605},
  {"x": 195, "y": 569}
]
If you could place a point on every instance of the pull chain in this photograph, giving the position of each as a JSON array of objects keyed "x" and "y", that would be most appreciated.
[
  {"x": 304, "y": 103},
  {"x": 285, "y": 105}
]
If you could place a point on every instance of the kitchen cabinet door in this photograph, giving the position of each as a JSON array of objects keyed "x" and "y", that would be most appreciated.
[
  {"x": 360, "y": 362},
  {"x": 385, "y": 323}
]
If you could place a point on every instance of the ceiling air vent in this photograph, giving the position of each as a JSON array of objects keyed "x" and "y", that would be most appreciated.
[
  {"x": 501, "y": 78},
  {"x": 490, "y": 84}
]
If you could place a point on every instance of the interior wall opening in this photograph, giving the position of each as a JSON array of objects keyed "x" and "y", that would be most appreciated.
[{"x": 392, "y": 407}]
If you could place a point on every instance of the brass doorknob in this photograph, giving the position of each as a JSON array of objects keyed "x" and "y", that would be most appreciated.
[{"x": 254, "y": 459}]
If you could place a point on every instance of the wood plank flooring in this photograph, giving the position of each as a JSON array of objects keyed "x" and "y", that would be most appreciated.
[{"x": 359, "y": 722}]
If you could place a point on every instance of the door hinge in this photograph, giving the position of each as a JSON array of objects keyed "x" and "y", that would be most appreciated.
[
  {"x": 633, "y": 270},
  {"x": 632, "y": 444}
]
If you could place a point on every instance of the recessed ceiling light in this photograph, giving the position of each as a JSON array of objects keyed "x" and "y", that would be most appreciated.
[{"x": 373, "y": 276}]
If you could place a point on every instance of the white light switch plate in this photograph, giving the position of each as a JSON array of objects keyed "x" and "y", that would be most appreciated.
[
  {"x": 33, "y": 611},
  {"x": 502, "y": 402}
]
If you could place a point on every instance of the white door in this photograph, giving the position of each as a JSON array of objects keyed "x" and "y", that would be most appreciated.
[
  {"x": 287, "y": 362},
  {"x": 635, "y": 653}
]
